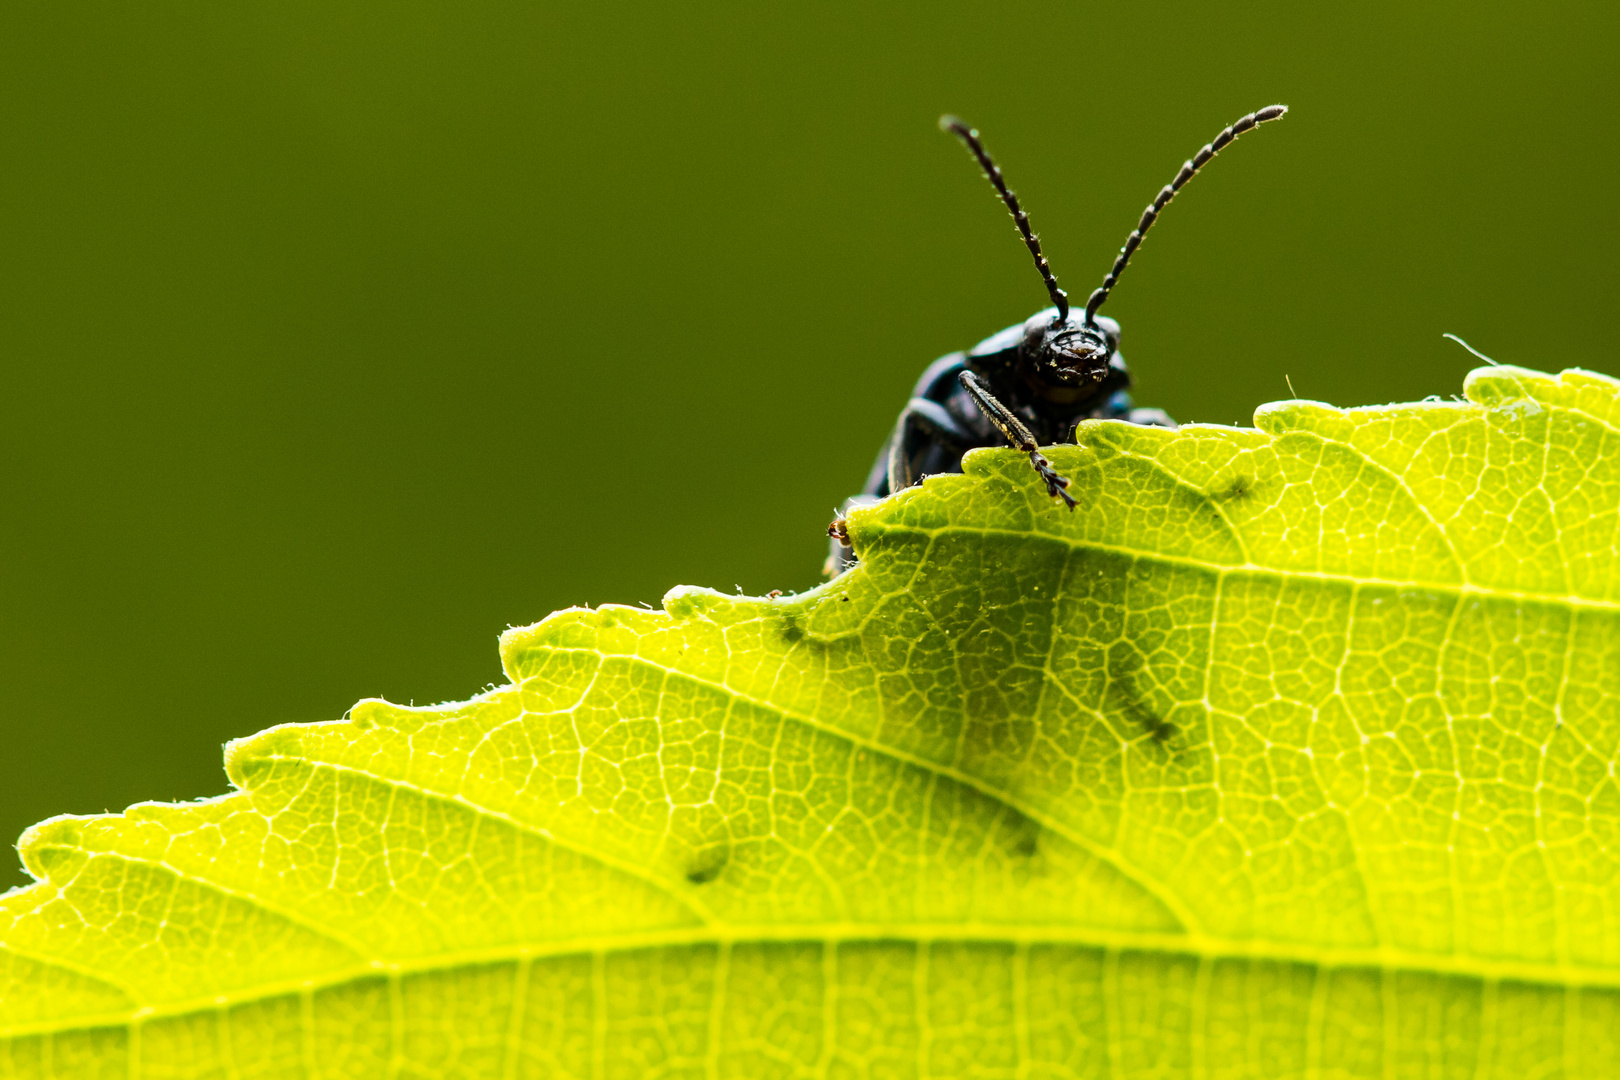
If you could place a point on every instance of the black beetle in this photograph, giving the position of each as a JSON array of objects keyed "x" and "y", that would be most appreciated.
[{"x": 1032, "y": 383}]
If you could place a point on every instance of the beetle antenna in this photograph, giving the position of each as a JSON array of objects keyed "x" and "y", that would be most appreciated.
[
  {"x": 1189, "y": 170},
  {"x": 1060, "y": 299}
]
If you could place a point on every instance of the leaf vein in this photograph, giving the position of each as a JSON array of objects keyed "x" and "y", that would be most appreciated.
[
  {"x": 1172, "y": 903},
  {"x": 698, "y": 910}
]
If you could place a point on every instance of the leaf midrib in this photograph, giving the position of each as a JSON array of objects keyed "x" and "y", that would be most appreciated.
[{"x": 1206, "y": 949}]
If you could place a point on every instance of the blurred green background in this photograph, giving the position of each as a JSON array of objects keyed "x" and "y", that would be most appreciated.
[{"x": 338, "y": 337}]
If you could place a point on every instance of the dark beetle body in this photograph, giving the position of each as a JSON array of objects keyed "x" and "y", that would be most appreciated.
[
  {"x": 941, "y": 422},
  {"x": 1029, "y": 385}
]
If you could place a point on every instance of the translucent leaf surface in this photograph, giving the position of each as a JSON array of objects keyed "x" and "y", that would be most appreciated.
[{"x": 1292, "y": 753}]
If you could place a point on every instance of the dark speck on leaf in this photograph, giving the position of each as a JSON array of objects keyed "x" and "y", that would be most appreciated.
[
  {"x": 707, "y": 865},
  {"x": 1023, "y": 838}
]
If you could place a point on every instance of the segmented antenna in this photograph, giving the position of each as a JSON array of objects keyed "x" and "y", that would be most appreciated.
[
  {"x": 1151, "y": 214},
  {"x": 971, "y": 136}
]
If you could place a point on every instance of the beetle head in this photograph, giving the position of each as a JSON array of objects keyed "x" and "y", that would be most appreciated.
[
  {"x": 1069, "y": 351},
  {"x": 1074, "y": 352}
]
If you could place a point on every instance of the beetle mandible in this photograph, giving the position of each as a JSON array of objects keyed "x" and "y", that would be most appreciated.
[{"x": 1032, "y": 383}]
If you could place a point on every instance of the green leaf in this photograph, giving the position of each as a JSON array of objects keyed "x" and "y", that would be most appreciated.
[{"x": 1292, "y": 753}]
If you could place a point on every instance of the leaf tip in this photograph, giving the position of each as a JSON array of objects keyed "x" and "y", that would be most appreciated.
[
  {"x": 693, "y": 602},
  {"x": 1501, "y": 384},
  {"x": 52, "y": 850},
  {"x": 1295, "y": 414},
  {"x": 1505, "y": 384},
  {"x": 372, "y": 713}
]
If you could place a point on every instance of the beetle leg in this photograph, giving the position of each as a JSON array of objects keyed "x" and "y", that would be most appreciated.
[
  {"x": 1017, "y": 434},
  {"x": 920, "y": 417}
]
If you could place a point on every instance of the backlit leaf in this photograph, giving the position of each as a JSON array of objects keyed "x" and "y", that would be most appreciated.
[{"x": 1292, "y": 753}]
